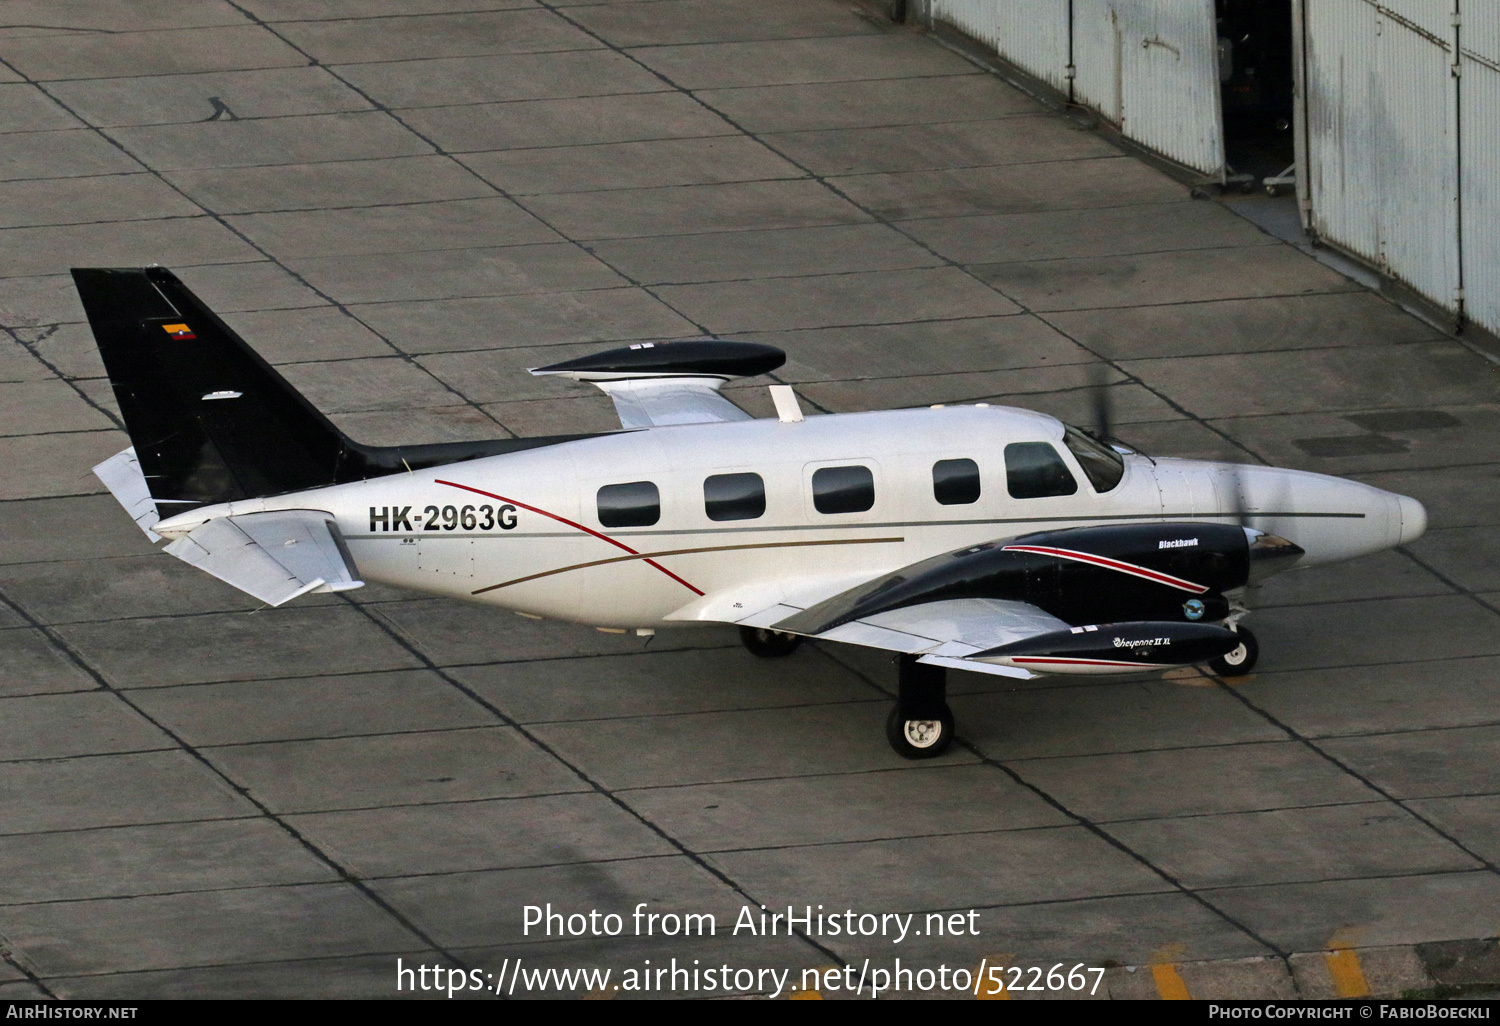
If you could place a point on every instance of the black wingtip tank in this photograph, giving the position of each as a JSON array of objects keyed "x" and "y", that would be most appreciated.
[{"x": 210, "y": 419}]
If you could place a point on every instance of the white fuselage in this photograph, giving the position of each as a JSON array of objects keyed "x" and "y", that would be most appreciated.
[{"x": 523, "y": 531}]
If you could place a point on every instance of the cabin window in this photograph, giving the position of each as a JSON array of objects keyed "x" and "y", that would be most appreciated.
[
  {"x": 637, "y": 504},
  {"x": 1101, "y": 463},
  {"x": 955, "y": 482},
  {"x": 1034, "y": 470},
  {"x": 734, "y": 496},
  {"x": 843, "y": 489}
]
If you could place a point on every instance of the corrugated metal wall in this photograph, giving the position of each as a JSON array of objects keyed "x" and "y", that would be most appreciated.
[
  {"x": 1340, "y": 60},
  {"x": 1033, "y": 34},
  {"x": 1403, "y": 142},
  {"x": 1148, "y": 66},
  {"x": 1151, "y": 67},
  {"x": 1399, "y": 128},
  {"x": 1382, "y": 139},
  {"x": 1099, "y": 55},
  {"x": 1479, "y": 110},
  {"x": 976, "y": 18}
]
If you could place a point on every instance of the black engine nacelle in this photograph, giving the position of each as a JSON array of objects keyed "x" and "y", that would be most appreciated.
[
  {"x": 1084, "y": 575},
  {"x": 1115, "y": 647}
]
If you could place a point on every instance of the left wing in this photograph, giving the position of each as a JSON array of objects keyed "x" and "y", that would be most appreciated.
[
  {"x": 968, "y": 609},
  {"x": 945, "y": 633},
  {"x": 657, "y": 384}
]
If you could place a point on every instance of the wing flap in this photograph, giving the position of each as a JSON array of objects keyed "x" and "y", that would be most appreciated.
[
  {"x": 274, "y": 557},
  {"x": 976, "y": 624},
  {"x": 769, "y": 617},
  {"x": 969, "y": 664},
  {"x": 661, "y": 402},
  {"x": 871, "y": 636},
  {"x": 945, "y": 633}
]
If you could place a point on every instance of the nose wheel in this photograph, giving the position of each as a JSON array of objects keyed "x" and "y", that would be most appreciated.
[
  {"x": 920, "y": 725},
  {"x": 1237, "y": 661}
]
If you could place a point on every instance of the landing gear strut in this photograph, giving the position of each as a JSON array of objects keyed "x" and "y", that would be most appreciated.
[
  {"x": 921, "y": 724},
  {"x": 769, "y": 644},
  {"x": 1238, "y": 661}
]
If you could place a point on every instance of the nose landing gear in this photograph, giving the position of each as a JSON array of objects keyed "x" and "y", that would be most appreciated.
[
  {"x": 1237, "y": 661},
  {"x": 920, "y": 725}
]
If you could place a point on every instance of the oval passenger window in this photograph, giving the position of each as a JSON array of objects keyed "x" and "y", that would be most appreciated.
[
  {"x": 955, "y": 482},
  {"x": 637, "y": 504},
  {"x": 843, "y": 489},
  {"x": 734, "y": 496}
]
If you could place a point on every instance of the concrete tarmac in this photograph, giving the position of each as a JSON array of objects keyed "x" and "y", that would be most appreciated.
[{"x": 402, "y": 206}]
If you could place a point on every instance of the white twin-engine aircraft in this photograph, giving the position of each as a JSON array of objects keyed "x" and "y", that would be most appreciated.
[{"x": 977, "y": 537}]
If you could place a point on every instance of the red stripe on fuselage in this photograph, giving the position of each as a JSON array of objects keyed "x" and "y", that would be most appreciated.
[
  {"x": 576, "y": 526},
  {"x": 1111, "y": 564}
]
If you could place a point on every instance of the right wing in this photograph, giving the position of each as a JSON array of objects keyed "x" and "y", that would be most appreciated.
[
  {"x": 274, "y": 557},
  {"x": 659, "y": 402},
  {"x": 656, "y": 384}
]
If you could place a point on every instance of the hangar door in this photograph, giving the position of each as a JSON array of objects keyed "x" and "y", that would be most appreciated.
[
  {"x": 1403, "y": 142},
  {"x": 1382, "y": 133},
  {"x": 1149, "y": 67},
  {"x": 1479, "y": 144}
]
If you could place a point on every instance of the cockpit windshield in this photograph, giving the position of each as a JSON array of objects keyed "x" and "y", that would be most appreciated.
[{"x": 1102, "y": 464}]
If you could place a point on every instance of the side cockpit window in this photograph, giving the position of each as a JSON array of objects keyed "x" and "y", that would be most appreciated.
[
  {"x": 955, "y": 482},
  {"x": 636, "y": 504},
  {"x": 1034, "y": 470},
  {"x": 734, "y": 496},
  {"x": 1102, "y": 464}
]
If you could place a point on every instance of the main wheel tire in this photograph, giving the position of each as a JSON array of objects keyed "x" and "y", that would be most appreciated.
[
  {"x": 769, "y": 644},
  {"x": 1238, "y": 661},
  {"x": 919, "y": 739}
]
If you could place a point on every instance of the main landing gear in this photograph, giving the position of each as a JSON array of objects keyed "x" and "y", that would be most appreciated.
[
  {"x": 921, "y": 724},
  {"x": 1238, "y": 661},
  {"x": 769, "y": 644}
]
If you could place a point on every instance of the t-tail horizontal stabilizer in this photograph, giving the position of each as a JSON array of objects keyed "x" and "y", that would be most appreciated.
[{"x": 274, "y": 557}]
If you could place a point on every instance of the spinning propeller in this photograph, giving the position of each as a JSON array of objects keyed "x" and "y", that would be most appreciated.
[{"x": 1101, "y": 403}]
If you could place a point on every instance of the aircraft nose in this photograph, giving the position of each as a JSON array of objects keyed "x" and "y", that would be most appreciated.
[{"x": 1413, "y": 519}]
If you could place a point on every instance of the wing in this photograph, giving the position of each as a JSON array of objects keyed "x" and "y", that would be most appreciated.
[
  {"x": 943, "y": 633},
  {"x": 122, "y": 475},
  {"x": 658, "y": 402},
  {"x": 656, "y": 384},
  {"x": 274, "y": 557}
]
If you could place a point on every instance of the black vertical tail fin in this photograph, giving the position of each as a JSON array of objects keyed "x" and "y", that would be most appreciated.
[{"x": 210, "y": 419}]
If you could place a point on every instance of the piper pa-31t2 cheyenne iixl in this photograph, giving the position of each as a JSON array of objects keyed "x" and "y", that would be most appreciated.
[{"x": 972, "y": 537}]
